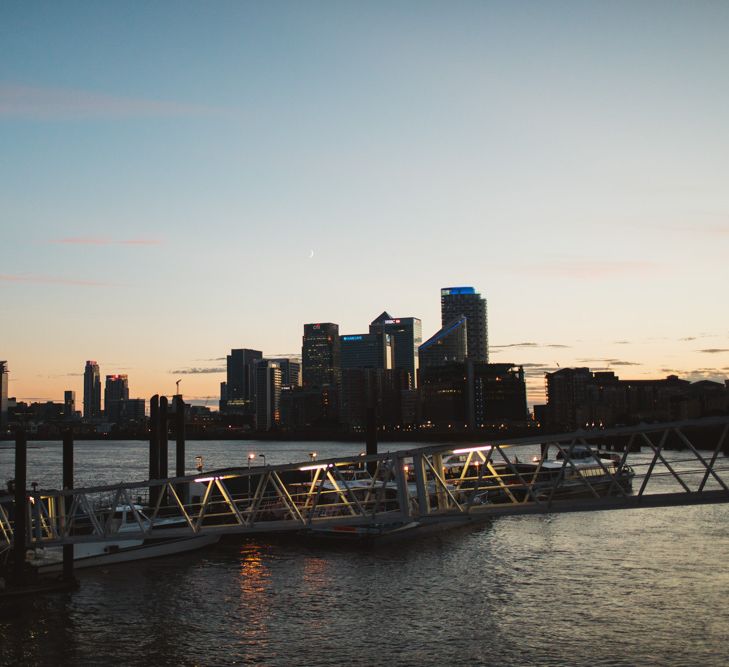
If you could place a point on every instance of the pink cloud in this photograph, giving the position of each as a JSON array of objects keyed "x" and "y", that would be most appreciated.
[
  {"x": 587, "y": 269},
  {"x": 91, "y": 240},
  {"x": 50, "y": 103},
  {"x": 49, "y": 280}
]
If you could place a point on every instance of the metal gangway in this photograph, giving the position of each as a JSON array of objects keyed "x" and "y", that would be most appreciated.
[{"x": 670, "y": 464}]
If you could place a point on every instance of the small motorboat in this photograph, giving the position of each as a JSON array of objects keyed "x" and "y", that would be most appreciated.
[{"x": 123, "y": 549}]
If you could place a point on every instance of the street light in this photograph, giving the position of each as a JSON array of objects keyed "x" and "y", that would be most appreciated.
[
  {"x": 263, "y": 456},
  {"x": 251, "y": 456},
  {"x": 312, "y": 456}
]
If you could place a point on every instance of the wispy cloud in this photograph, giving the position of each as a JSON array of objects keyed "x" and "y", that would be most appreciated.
[
  {"x": 528, "y": 344},
  {"x": 590, "y": 269},
  {"x": 197, "y": 371},
  {"x": 89, "y": 240},
  {"x": 515, "y": 345},
  {"x": 714, "y": 350},
  {"x": 54, "y": 103},
  {"x": 610, "y": 362},
  {"x": 713, "y": 374},
  {"x": 621, "y": 342},
  {"x": 50, "y": 280}
]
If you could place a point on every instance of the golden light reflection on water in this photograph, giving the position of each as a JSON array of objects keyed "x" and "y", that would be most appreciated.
[
  {"x": 254, "y": 576},
  {"x": 315, "y": 571},
  {"x": 254, "y": 580}
]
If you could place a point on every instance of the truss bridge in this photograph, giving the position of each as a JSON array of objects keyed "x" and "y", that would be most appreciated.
[{"x": 434, "y": 487}]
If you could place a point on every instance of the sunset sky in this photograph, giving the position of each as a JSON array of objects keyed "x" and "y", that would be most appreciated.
[{"x": 178, "y": 179}]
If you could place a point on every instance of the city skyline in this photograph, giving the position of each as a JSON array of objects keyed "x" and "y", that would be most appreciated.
[{"x": 163, "y": 205}]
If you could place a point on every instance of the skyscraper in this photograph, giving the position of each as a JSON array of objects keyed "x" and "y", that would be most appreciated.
[
  {"x": 116, "y": 391},
  {"x": 240, "y": 381},
  {"x": 69, "y": 404},
  {"x": 92, "y": 390},
  {"x": 290, "y": 371},
  {"x": 457, "y": 301},
  {"x": 407, "y": 335},
  {"x": 268, "y": 394},
  {"x": 320, "y": 352},
  {"x": 447, "y": 346},
  {"x": 372, "y": 350},
  {"x": 4, "y": 373}
]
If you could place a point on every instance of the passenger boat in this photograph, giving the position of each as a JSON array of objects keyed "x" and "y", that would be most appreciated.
[
  {"x": 583, "y": 472},
  {"x": 122, "y": 550}
]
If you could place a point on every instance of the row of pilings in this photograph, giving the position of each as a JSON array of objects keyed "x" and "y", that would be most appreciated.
[{"x": 19, "y": 576}]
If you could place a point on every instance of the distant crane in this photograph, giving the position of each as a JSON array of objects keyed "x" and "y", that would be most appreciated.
[{"x": 177, "y": 387}]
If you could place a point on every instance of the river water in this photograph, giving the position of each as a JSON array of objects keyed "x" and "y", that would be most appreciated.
[{"x": 629, "y": 587}]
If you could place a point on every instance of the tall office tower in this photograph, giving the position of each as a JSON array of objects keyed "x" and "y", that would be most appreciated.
[
  {"x": 445, "y": 347},
  {"x": 4, "y": 373},
  {"x": 69, "y": 404},
  {"x": 240, "y": 381},
  {"x": 457, "y": 301},
  {"x": 320, "y": 355},
  {"x": 407, "y": 334},
  {"x": 372, "y": 350},
  {"x": 268, "y": 394},
  {"x": 116, "y": 391},
  {"x": 92, "y": 390},
  {"x": 290, "y": 371}
]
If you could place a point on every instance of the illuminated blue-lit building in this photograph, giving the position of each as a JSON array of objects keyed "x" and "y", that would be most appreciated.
[
  {"x": 447, "y": 346},
  {"x": 407, "y": 335},
  {"x": 372, "y": 350},
  {"x": 458, "y": 301}
]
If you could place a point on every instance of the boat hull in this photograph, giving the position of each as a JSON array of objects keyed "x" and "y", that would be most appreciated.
[{"x": 138, "y": 550}]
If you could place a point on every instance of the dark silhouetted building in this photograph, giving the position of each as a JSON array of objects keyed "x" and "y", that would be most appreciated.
[
  {"x": 4, "y": 375},
  {"x": 92, "y": 390},
  {"x": 268, "y": 394},
  {"x": 320, "y": 355},
  {"x": 578, "y": 398},
  {"x": 69, "y": 401},
  {"x": 290, "y": 371},
  {"x": 444, "y": 395},
  {"x": 128, "y": 410},
  {"x": 471, "y": 395},
  {"x": 303, "y": 408},
  {"x": 499, "y": 394},
  {"x": 447, "y": 346},
  {"x": 240, "y": 381},
  {"x": 116, "y": 390},
  {"x": 458, "y": 301},
  {"x": 567, "y": 396},
  {"x": 407, "y": 335}
]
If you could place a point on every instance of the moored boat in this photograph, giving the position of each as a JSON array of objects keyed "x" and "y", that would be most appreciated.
[{"x": 123, "y": 549}]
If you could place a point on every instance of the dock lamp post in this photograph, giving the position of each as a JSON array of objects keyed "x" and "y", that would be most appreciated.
[
  {"x": 263, "y": 456},
  {"x": 312, "y": 456},
  {"x": 251, "y": 456}
]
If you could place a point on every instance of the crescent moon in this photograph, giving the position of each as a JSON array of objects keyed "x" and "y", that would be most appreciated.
[{"x": 311, "y": 254}]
